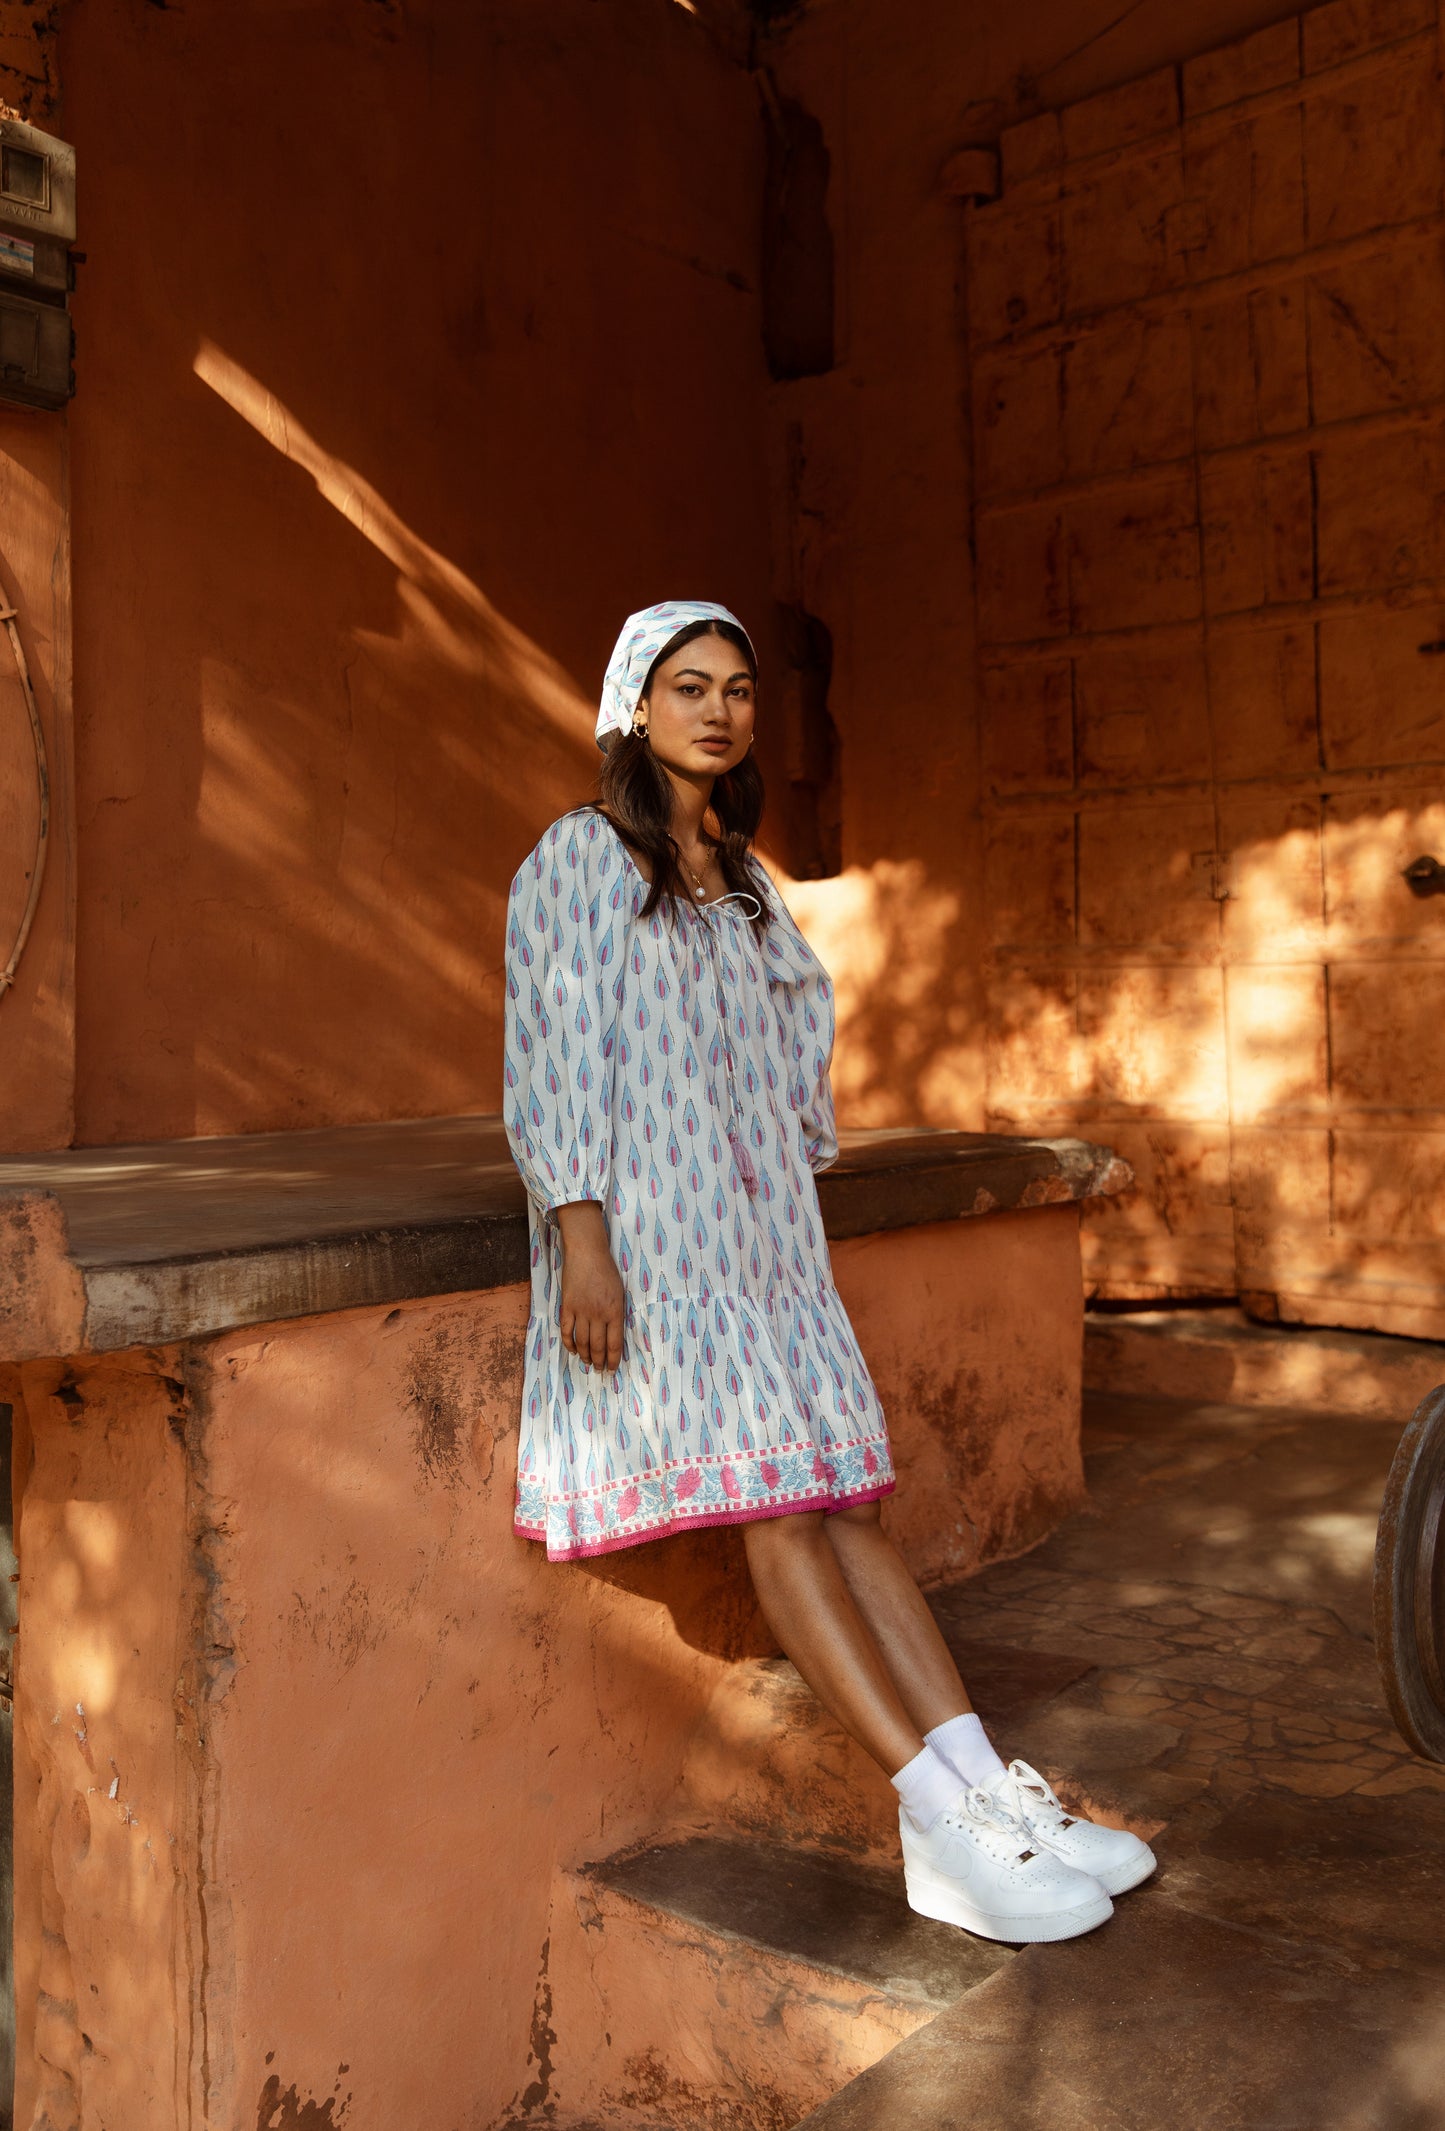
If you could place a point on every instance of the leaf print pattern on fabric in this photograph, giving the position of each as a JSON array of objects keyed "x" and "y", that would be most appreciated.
[{"x": 741, "y": 1392}]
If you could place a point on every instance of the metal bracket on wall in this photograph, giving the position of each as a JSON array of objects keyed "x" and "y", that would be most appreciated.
[
  {"x": 1425, "y": 876},
  {"x": 10, "y": 619}
]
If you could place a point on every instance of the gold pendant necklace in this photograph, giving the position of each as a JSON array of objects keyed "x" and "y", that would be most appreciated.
[{"x": 698, "y": 888}]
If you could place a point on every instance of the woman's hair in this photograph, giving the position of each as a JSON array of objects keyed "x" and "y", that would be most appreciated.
[{"x": 635, "y": 794}]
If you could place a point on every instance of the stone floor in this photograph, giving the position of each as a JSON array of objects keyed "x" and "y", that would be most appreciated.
[
  {"x": 1194, "y": 1652},
  {"x": 1191, "y": 1655},
  {"x": 1219, "y": 1590}
]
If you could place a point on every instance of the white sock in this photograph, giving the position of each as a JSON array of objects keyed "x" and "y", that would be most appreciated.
[
  {"x": 927, "y": 1787},
  {"x": 963, "y": 1743}
]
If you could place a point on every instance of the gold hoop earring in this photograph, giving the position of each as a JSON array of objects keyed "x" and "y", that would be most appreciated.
[{"x": 640, "y": 721}]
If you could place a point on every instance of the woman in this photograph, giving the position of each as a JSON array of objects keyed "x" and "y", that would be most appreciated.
[{"x": 689, "y": 1361}]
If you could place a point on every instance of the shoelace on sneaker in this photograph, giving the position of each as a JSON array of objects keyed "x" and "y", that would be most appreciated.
[
  {"x": 1028, "y": 1797},
  {"x": 982, "y": 1811}
]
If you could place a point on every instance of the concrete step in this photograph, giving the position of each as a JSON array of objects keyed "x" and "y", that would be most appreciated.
[
  {"x": 1168, "y": 2017},
  {"x": 719, "y": 1983},
  {"x": 735, "y": 1975},
  {"x": 1226, "y": 1358}
]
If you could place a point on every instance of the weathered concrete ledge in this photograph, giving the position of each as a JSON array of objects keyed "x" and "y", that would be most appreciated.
[
  {"x": 103, "y": 1248},
  {"x": 1222, "y": 1355}
]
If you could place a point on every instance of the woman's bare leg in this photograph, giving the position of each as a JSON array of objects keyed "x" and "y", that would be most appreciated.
[
  {"x": 896, "y": 1613},
  {"x": 803, "y": 1593}
]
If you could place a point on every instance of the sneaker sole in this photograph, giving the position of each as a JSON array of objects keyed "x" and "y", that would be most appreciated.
[
  {"x": 948, "y": 1905},
  {"x": 1124, "y": 1877}
]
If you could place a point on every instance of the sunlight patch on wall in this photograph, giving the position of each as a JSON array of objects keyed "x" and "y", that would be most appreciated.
[{"x": 907, "y": 1048}]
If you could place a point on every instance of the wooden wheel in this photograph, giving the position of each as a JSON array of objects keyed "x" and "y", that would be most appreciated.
[{"x": 1410, "y": 1582}]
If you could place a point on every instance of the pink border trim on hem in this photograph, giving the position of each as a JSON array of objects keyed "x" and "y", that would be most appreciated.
[{"x": 697, "y": 1524}]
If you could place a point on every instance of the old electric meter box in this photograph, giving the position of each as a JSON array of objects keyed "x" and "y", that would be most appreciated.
[{"x": 37, "y": 229}]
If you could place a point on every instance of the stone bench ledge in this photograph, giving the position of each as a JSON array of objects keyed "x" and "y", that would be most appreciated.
[{"x": 110, "y": 1247}]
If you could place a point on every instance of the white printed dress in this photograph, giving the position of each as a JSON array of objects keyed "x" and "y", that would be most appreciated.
[{"x": 741, "y": 1392}]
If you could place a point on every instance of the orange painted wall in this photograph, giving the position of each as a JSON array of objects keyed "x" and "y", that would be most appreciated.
[
  {"x": 367, "y": 467},
  {"x": 1126, "y": 816},
  {"x": 416, "y": 348},
  {"x": 306, "y": 1739},
  {"x": 1208, "y": 384},
  {"x": 876, "y": 461}
]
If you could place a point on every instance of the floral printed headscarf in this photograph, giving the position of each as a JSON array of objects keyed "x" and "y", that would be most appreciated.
[{"x": 643, "y": 636}]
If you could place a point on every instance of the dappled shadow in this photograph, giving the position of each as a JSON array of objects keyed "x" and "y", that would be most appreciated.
[
  {"x": 1339, "y": 1155},
  {"x": 1273, "y": 1500},
  {"x": 1274, "y": 1086},
  {"x": 907, "y": 1033},
  {"x": 1190, "y": 1657},
  {"x": 1250, "y": 1028}
]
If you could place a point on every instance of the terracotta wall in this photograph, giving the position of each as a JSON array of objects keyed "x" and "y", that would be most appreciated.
[
  {"x": 415, "y": 348},
  {"x": 368, "y": 463},
  {"x": 871, "y": 476},
  {"x": 305, "y": 1736},
  {"x": 1126, "y": 810},
  {"x": 1208, "y": 383},
  {"x": 29, "y": 75}
]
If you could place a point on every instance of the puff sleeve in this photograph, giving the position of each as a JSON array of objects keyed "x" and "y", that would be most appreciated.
[
  {"x": 565, "y": 925},
  {"x": 802, "y": 995}
]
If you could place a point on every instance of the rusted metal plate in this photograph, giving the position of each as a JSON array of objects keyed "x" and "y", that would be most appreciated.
[{"x": 1410, "y": 1582}]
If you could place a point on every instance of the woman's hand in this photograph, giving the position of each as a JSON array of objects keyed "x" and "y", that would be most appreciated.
[{"x": 592, "y": 1293}]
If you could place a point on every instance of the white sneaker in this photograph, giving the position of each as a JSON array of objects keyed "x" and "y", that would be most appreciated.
[
  {"x": 1116, "y": 1859},
  {"x": 977, "y": 1866}
]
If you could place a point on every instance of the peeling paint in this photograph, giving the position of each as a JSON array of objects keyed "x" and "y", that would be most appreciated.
[
  {"x": 436, "y": 1394},
  {"x": 648, "y": 2084},
  {"x": 542, "y": 2040},
  {"x": 283, "y": 2109}
]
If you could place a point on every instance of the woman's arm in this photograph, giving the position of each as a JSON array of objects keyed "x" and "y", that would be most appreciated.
[
  {"x": 593, "y": 1298},
  {"x": 563, "y": 960},
  {"x": 565, "y": 923}
]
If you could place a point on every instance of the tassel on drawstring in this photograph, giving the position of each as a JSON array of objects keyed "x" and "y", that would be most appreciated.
[{"x": 744, "y": 1161}]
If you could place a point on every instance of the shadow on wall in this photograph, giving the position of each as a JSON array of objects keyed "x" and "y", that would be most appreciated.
[
  {"x": 467, "y": 366},
  {"x": 450, "y": 634},
  {"x": 702, "y": 1579},
  {"x": 907, "y": 1039},
  {"x": 1251, "y": 1027},
  {"x": 414, "y": 686},
  {"x": 906, "y": 1053}
]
